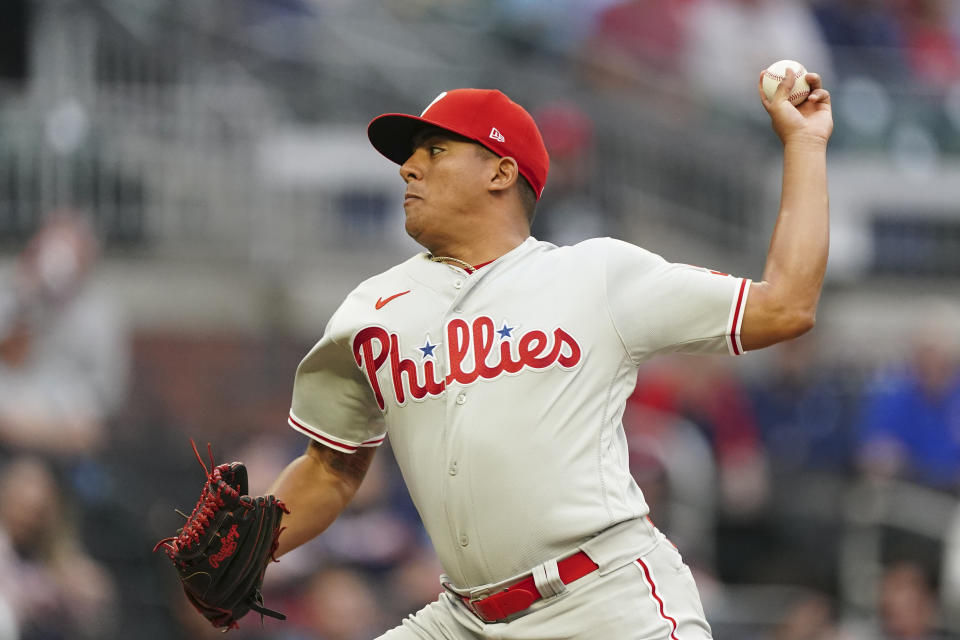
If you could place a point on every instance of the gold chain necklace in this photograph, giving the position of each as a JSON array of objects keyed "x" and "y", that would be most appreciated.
[{"x": 447, "y": 260}]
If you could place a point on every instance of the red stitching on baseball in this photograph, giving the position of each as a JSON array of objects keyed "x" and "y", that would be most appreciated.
[{"x": 779, "y": 78}]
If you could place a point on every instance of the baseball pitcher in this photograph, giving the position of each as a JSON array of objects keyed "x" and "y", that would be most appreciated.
[{"x": 499, "y": 365}]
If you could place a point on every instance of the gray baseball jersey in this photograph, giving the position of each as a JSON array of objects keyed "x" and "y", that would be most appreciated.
[{"x": 503, "y": 390}]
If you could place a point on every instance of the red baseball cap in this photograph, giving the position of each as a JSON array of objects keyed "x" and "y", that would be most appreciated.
[{"x": 485, "y": 116}]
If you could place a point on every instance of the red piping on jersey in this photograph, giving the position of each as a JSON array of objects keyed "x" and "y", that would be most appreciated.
[
  {"x": 482, "y": 264},
  {"x": 736, "y": 317},
  {"x": 656, "y": 596},
  {"x": 331, "y": 441}
]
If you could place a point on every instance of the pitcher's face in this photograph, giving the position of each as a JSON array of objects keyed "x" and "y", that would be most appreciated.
[{"x": 445, "y": 178}]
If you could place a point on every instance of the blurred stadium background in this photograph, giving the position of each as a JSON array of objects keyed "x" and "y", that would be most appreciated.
[{"x": 186, "y": 194}]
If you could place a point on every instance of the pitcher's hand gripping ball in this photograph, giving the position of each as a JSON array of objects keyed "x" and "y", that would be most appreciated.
[
  {"x": 774, "y": 75},
  {"x": 223, "y": 550}
]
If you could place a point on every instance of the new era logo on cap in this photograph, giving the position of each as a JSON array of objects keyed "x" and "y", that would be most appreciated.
[{"x": 470, "y": 113}]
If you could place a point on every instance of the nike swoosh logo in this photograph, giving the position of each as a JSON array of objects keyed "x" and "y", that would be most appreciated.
[{"x": 381, "y": 302}]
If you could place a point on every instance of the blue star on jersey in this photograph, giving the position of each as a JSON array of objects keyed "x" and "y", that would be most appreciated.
[
  {"x": 505, "y": 331},
  {"x": 427, "y": 349}
]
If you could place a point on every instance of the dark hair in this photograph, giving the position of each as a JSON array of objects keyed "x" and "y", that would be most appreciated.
[{"x": 528, "y": 198}]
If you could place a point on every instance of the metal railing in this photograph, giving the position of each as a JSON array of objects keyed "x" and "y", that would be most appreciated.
[
  {"x": 157, "y": 121},
  {"x": 872, "y": 510},
  {"x": 160, "y": 119}
]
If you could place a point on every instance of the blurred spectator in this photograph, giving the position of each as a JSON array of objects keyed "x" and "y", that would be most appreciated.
[
  {"x": 810, "y": 618},
  {"x": 907, "y": 604},
  {"x": 672, "y": 462},
  {"x": 636, "y": 43},
  {"x": 708, "y": 394},
  {"x": 55, "y": 590},
  {"x": 556, "y": 26},
  {"x": 933, "y": 50},
  {"x": 569, "y": 211},
  {"x": 731, "y": 41},
  {"x": 804, "y": 411},
  {"x": 340, "y": 604},
  {"x": 62, "y": 348},
  {"x": 568, "y": 135},
  {"x": 413, "y": 583},
  {"x": 910, "y": 419},
  {"x": 865, "y": 38}
]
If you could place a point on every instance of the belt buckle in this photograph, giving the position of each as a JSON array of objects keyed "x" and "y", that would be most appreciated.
[
  {"x": 468, "y": 602},
  {"x": 500, "y": 604},
  {"x": 471, "y": 604},
  {"x": 490, "y": 598},
  {"x": 504, "y": 603}
]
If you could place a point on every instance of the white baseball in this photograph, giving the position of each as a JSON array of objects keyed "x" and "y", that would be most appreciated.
[{"x": 776, "y": 72}]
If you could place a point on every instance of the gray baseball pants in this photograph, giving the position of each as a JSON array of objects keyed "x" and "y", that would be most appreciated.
[{"x": 651, "y": 596}]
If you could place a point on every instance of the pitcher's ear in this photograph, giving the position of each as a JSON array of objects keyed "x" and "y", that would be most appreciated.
[{"x": 507, "y": 174}]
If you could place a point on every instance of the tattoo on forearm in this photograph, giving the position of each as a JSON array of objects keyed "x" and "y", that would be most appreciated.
[{"x": 350, "y": 466}]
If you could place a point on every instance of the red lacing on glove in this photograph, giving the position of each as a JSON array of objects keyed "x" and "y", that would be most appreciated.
[
  {"x": 205, "y": 509},
  {"x": 275, "y": 544}
]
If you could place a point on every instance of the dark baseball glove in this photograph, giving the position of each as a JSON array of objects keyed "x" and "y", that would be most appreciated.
[{"x": 223, "y": 550}]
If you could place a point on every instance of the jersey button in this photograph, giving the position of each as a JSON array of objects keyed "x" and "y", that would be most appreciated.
[
  {"x": 464, "y": 540},
  {"x": 457, "y": 284},
  {"x": 461, "y": 398},
  {"x": 453, "y": 468}
]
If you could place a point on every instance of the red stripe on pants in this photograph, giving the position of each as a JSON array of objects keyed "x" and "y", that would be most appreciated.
[{"x": 656, "y": 596}]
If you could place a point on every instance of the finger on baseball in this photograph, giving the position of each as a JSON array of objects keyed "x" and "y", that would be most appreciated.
[
  {"x": 785, "y": 86},
  {"x": 814, "y": 80},
  {"x": 820, "y": 95},
  {"x": 763, "y": 96}
]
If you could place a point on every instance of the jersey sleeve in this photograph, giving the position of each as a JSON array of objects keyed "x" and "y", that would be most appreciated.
[
  {"x": 332, "y": 401},
  {"x": 659, "y": 306}
]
